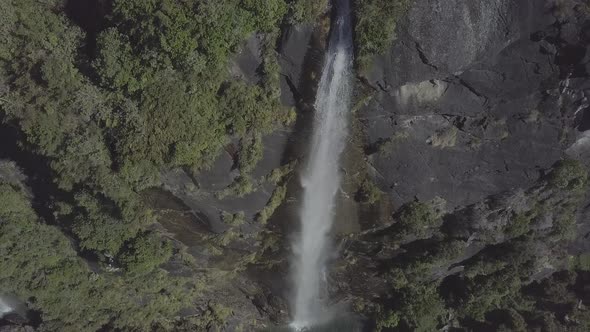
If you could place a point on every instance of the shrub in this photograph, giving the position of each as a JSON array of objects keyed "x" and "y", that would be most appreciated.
[
  {"x": 416, "y": 218},
  {"x": 374, "y": 30},
  {"x": 580, "y": 262},
  {"x": 278, "y": 174},
  {"x": 235, "y": 219},
  {"x": 519, "y": 225},
  {"x": 388, "y": 319},
  {"x": 368, "y": 192},
  {"x": 251, "y": 151},
  {"x": 307, "y": 11},
  {"x": 420, "y": 307},
  {"x": 144, "y": 253},
  {"x": 276, "y": 199},
  {"x": 155, "y": 96},
  {"x": 241, "y": 186},
  {"x": 421, "y": 261},
  {"x": 248, "y": 108},
  {"x": 266, "y": 14},
  {"x": 564, "y": 227},
  {"x": 39, "y": 264},
  {"x": 445, "y": 138},
  {"x": 115, "y": 64},
  {"x": 568, "y": 174},
  {"x": 513, "y": 322},
  {"x": 15, "y": 205}
]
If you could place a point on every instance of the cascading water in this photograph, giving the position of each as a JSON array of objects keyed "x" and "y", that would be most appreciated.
[
  {"x": 4, "y": 308},
  {"x": 321, "y": 178}
]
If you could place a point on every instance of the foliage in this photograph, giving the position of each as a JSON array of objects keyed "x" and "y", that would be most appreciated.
[
  {"x": 39, "y": 264},
  {"x": 570, "y": 174},
  {"x": 241, "y": 186},
  {"x": 564, "y": 227},
  {"x": 421, "y": 261},
  {"x": 387, "y": 145},
  {"x": 487, "y": 286},
  {"x": 145, "y": 252},
  {"x": 115, "y": 64},
  {"x": 265, "y": 15},
  {"x": 235, "y": 219},
  {"x": 490, "y": 292},
  {"x": 420, "y": 308},
  {"x": 161, "y": 99},
  {"x": 368, "y": 192},
  {"x": 251, "y": 152},
  {"x": 154, "y": 94},
  {"x": 247, "y": 108},
  {"x": 580, "y": 262},
  {"x": 307, "y": 11},
  {"x": 415, "y": 218},
  {"x": 15, "y": 206},
  {"x": 278, "y": 174},
  {"x": 513, "y": 321},
  {"x": 276, "y": 199},
  {"x": 556, "y": 302},
  {"x": 519, "y": 224},
  {"x": 388, "y": 319},
  {"x": 376, "y": 21}
]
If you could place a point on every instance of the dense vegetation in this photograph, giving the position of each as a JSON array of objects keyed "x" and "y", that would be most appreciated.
[
  {"x": 39, "y": 264},
  {"x": 95, "y": 112},
  {"x": 484, "y": 268}
]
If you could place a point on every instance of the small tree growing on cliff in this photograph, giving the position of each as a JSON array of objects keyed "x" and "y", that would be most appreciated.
[{"x": 416, "y": 218}]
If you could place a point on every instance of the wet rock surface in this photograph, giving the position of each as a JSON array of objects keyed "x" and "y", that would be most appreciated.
[{"x": 476, "y": 98}]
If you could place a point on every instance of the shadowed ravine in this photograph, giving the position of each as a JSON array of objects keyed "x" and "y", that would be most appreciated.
[{"x": 321, "y": 178}]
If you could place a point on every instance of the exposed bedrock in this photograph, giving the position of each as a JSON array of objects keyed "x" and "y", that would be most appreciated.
[{"x": 477, "y": 97}]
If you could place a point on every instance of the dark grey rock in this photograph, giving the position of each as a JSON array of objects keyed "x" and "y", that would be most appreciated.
[
  {"x": 439, "y": 38},
  {"x": 491, "y": 107},
  {"x": 248, "y": 60},
  {"x": 204, "y": 206},
  {"x": 294, "y": 46},
  {"x": 220, "y": 175}
]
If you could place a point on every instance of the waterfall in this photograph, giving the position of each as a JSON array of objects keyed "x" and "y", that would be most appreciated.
[
  {"x": 4, "y": 308},
  {"x": 321, "y": 178}
]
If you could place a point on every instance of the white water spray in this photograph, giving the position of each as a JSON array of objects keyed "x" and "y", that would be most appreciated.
[
  {"x": 4, "y": 308},
  {"x": 321, "y": 178}
]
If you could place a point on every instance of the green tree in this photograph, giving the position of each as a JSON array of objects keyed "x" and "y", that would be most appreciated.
[
  {"x": 416, "y": 218},
  {"x": 376, "y": 21},
  {"x": 145, "y": 252}
]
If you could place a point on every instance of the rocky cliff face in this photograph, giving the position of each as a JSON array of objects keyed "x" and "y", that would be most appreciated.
[
  {"x": 475, "y": 98},
  {"x": 472, "y": 105}
]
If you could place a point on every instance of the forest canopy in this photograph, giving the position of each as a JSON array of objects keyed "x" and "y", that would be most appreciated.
[{"x": 100, "y": 107}]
